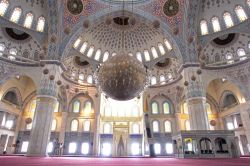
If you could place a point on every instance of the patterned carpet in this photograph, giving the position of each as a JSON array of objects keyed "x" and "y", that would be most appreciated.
[{"x": 77, "y": 161}]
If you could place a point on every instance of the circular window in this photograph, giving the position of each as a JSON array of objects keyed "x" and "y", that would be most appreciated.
[
  {"x": 75, "y": 7},
  {"x": 171, "y": 8},
  {"x": 16, "y": 34}
]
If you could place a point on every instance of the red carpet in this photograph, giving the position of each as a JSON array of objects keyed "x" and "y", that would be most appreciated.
[{"x": 74, "y": 161}]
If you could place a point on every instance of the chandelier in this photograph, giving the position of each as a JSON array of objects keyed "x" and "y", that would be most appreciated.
[{"x": 122, "y": 77}]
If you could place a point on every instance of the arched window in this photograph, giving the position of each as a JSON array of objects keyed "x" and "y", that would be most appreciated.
[
  {"x": 170, "y": 76},
  {"x": 76, "y": 106},
  {"x": 136, "y": 128},
  {"x": 98, "y": 54},
  {"x": 166, "y": 108},
  {"x": 138, "y": 56},
  {"x": 107, "y": 128},
  {"x": 153, "y": 80},
  {"x": 4, "y": 4},
  {"x": 154, "y": 52},
  {"x": 90, "y": 79},
  {"x": 74, "y": 125},
  {"x": 105, "y": 56},
  {"x": 162, "y": 79},
  {"x": 168, "y": 127},
  {"x": 77, "y": 43},
  {"x": 146, "y": 55},
  {"x": 11, "y": 97},
  {"x": 168, "y": 45},
  {"x": 88, "y": 107},
  {"x": 240, "y": 12},
  {"x": 155, "y": 108},
  {"x": 81, "y": 77},
  {"x": 53, "y": 126},
  {"x": 229, "y": 58},
  {"x": 156, "y": 126},
  {"x": 228, "y": 19},
  {"x": 229, "y": 100},
  {"x": 86, "y": 126},
  {"x": 241, "y": 53},
  {"x": 157, "y": 148},
  {"x": 187, "y": 125},
  {"x": 40, "y": 24},
  {"x": 206, "y": 146},
  {"x": 114, "y": 54},
  {"x": 161, "y": 48},
  {"x": 248, "y": 2},
  {"x": 91, "y": 51},
  {"x": 84, "y": 47},
  {"x": 28, "y": 20},
  {"x": 249, "y": 45},
  {"x": 15, "y": 16},
  {"x": 204, "y": 28},
  {"x": 216, "y": 24}
]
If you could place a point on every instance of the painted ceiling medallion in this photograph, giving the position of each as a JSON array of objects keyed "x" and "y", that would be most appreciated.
[
  {"x": 75, "y": 7},
  {"x": 171, "y": 8}
]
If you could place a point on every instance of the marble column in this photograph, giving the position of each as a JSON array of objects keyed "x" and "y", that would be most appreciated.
[
  {"x": 196, "y": 99},
  {"x": 245, "y": 117},
  {"x": 43, "y": 117}
]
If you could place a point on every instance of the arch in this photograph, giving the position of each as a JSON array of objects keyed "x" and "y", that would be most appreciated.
[
  {"x": 53, "y": 125},
  {"x": 13, "y": 96},
  {"x": 156, "y": 126},
  {"x": 154, "y": 107},
  {"x": 221, "y": 145},
  {"x": 168, "y": 126},
  {"x": 228, "y": 99},
  {"x": 76, "y": 106},
  {"x": 74, "y": 125},
  {"x": 107, "y": 128},
  {"x": 206, "y": 146}
]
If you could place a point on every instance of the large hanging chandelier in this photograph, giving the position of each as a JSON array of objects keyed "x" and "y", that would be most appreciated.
[{"x": 122, "y": 77}]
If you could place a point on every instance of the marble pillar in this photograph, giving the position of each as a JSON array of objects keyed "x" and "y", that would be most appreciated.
[
  {"x": 41, "y": 129},
  {"x": 43, "y": 117},
  {"x": 197, "y": 114}
]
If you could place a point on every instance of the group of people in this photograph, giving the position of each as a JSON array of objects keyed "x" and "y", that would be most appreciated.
[{"x": 57, "y": 148}]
